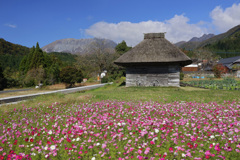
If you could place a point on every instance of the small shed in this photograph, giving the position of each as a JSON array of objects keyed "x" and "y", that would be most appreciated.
[{"x": 153, "y": 62}]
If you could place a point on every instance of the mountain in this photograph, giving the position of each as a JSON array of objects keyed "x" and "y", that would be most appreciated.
[
  {"x": 178, "y": 44},
  {"x": 231, "y": 36},
  {"x": 78, "y": 46},
  {"x": 201, "y": 39},
  {"x": 194, "y": 42},
  {"x": 225, "y": 42}
]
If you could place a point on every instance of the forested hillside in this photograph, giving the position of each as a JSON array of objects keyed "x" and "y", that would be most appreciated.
[
  {"x": 30, "y": 68},
  {"x": 228, "y": 45},
  {"x": 224, "y": 45},
  {"x": 11, "y": 54},
  {"x": 12, "y": 49}
]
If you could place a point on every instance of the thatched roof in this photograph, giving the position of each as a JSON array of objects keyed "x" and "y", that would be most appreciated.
[{"x": 154, "y": 49}]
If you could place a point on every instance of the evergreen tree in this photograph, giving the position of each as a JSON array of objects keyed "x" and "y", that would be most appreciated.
[
  {"x": 122, "y": 47},
  {"x": 29, "y": 58},
  {"x": 26, "y": 61},
  {"x": 38, "y": 58},
  {"x": 3, "y": 80}
]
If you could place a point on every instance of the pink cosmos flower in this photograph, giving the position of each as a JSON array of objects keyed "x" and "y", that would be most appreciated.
[
  {"x": 152, "y": 142},
  {"x": 139, "y": 151},
  {"x": 147, "y": 150},
  {"x": 104, "y": 145}
]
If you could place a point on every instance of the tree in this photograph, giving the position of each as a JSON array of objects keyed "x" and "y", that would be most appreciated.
[
  {"x": 53, "y": 73},
  {"x": 34, "y": 77},
  {"x": 97, "y": 60},
  {"x": 70, "y": 75},
  {"x": 204, "y": 54},
  {"x": 218, "y": 70},
  {"x": 122, "y": 47},
  {"x": 38, "y": 58},
  {"x": 3, "y": 80}
]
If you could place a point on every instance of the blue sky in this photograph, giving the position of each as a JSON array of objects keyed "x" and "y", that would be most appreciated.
[{"x": 26, "y": 22}]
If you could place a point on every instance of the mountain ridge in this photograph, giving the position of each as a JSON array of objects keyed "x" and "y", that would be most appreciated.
[
  {"x": 209, "y": 41},
  {"x": 194, "y": 42},
  {"x": 221, "y": 36},
  {"x": 202, "y": 38},
  {"x": 78, "y": 46}
]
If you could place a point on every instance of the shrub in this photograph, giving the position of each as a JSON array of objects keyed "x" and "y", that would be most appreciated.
[
  {"x": 181, "y": 75},
  {"x": 70, "y": 75},
  {"x": 106, "y": 79}
]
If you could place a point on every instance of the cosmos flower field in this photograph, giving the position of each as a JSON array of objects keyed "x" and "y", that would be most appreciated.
[{"x": 122, "y": 130}]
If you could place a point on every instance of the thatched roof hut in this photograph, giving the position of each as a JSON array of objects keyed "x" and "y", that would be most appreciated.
[
  {"x": 152, "y": 61},
  {"x": 154, "y": 49}
]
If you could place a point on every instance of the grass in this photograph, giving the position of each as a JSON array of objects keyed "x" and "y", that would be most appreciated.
[
  {"x": 44, "y": 89},
  {"x": 10, "y": 94},
  {"x": 121, "y": 93}
]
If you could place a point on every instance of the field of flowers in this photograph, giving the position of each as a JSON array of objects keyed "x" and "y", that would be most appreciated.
[{"x": 122, "y": 130}]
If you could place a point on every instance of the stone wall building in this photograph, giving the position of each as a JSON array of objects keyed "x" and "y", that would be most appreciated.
[{"x": 153, "y": 62}]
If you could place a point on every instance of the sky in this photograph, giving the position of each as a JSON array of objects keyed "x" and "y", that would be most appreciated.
[{"x": 27, "y": 22}]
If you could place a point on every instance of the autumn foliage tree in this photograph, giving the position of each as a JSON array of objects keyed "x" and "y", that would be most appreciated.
[{"x": 218, "y": 70}]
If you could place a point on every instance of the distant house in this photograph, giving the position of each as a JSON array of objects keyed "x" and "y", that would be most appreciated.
[
  {"x": 230, "y": 62},
  {"x": 236, "y": 64},
  {"x": 190, "y": 68},
  {"x": 153, "y": 62}
]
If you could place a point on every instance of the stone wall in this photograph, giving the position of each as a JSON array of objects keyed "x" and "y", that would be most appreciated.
[{"x": 167, "y": 75}]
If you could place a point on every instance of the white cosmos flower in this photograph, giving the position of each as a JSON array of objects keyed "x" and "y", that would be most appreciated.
[
  {"x": 33, "y": 154},
  {"x": 50, "y": 132},
  {"x": 97, "y": 144},
  {"x": 154, "y": 139},
  {"x": 93, "y": 158},
  {"x": 78, "y": 139},
  {"x": 183, "y": 155},
  {"x": 53, "y": 147},
  {"x": 212, "y": 136},
  {"x": 156, "y": 130},
  {"x": 46, "y": 148}
]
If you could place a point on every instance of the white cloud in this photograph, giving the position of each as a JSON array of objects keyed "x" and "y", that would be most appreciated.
[
  {"x": 11, "y": 25},
  {"x": 176, "y": 28},
  {"x": 226, "y": 19}
]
